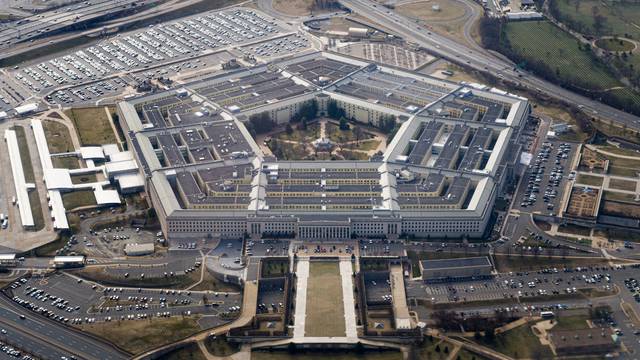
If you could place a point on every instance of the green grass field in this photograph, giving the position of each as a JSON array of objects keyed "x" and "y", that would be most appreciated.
[
  {"x": 74, "y": 199},
  {"x": 92, "y": 125},
  {"x": 137, "y": 336},
  {"x": 70, "y": 162},
  {"x": 325, "y": 312},
  {"x": 543, "y": 41},
  {"x": 621, "y": 18},
  {"x": 58, "y": 138},
  {"x": 521, "y": 343}
]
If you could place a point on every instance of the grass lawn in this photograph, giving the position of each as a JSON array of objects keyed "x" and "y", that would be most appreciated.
[
  {"x": 559, "y": 50},
  {"x": 92, "y": 125},
  {"x": 620, "y": 209},
  {"x": 210, "y": 282},
  {"x": 623, "y": 167},
  {"x": 58, "y": 138},
  {"x": 434, "y": 349},
  {"x": 589, "y": 180},
  {"x": 83, "y": 179},
  {"x": 621, "y": 17},
  {"x": 69, "y": 162},
  {"x": 311, "y": 133},
  {"x": 575, "y": 229},
  {"x": 618, "y": 196},
  {"x": 274, "y": 268},
  {"x": 138, "y": 336},
  {"x": 611, "y": 44},
  {"x": 353, "y": 155},
  {"x": 342, "y": 136},
  {"x": 520, "y": 343},
  {"x": 449, "y": 20},
  {"x": 220, "y": 346},
  {"x": 287, "y": 151},
  {"x": 25, "y": 155},
  {"x": 325, "y": 312},
  {"x": 333, "y": 355},
  {"x": 189, "y": 352},
  {"x": 74, "y": 199},
  {"x": 622, "y": 184}
]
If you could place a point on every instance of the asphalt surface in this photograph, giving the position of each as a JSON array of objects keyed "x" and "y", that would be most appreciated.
[{"x": 57, "y": 337}]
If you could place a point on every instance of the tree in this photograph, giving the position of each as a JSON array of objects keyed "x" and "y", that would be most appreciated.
[
  {"x": 260, "y": 123},
  {"x": 344, "y": 125},
  {"x": 289, "y": 129}
]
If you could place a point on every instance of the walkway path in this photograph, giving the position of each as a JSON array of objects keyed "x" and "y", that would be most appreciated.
[
  {"x": 346, "y": 272},
  {"x": 302, "y": 273}
]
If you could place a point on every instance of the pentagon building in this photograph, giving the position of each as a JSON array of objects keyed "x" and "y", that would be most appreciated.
[{"x": 439, "y": 177}]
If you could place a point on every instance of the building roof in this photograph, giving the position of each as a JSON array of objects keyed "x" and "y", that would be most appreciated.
[
  {"x": 591, "y": 337},
  {"x": 6, "y": 257},
  {"x": 130, "y": 181},
  {"x": 18, "y": 178},
  {"x": 57, "y": 179},
  {"x": 92, "y": 152},
  {"x": 68, "y": 259},
  {"x": 442, "y": 264},
  {"x": 106, "y": 197},
  {"x": 119, "y": 167},
  {"x": 138, "y": 248},
  {"x": 121, "y": 156},
  {"x": 26, "y": 108},
  {"x": 109, "y": 149}
]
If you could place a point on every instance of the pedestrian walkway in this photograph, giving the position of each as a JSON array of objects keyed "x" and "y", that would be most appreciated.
[
  {"x": 302, "y": 273},
  {"x": 347, "y": 298}
]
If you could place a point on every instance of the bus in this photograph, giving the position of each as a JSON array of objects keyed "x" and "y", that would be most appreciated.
[{"x": 547, "y": 314}]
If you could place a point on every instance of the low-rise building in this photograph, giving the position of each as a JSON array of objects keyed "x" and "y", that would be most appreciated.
[{"x": 455, "y": 269}]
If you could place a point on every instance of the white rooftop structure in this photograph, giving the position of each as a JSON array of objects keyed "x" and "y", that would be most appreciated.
[
  {"x": 110, "y": 149},
  {"x": 121, "y": 156},
  {"x": 139, "y": 249},
  {"x": 121, "y": 167},
  {"x": 57, "y": 179},
  {"x": 26, "y": 217},
  {"x": 58, "y": 212},
  {"x": 3, "y": 115},
  {"x": 106, "y": 197},
  {"x": 92, "y": 152},
  {"x": 130, "y": 181},
  {"x": 26, "y": 108},
  {"x": 7, "y": 257}
]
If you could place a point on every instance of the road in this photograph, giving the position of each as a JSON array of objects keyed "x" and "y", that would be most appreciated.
[
  {"x": 54, "y": 20},
  {"x": 55, "y": 336},
  {"x": 482, "y": 61}
]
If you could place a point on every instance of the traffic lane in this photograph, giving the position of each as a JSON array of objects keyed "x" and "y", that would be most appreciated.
[
  {"x": 72, "y": 341},
  {"x": 23, "y": 341}
]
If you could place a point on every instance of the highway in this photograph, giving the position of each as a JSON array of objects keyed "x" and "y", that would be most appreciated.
[
  {"x": 483, "y": 61},
  {"x": 50, "y": 21},
  {"x": 53, "y": 336}
]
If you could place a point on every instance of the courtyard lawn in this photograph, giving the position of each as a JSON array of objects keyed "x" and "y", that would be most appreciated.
[
  {"x": 325, "y": 311},
  {"x": 92, "y": 125}
]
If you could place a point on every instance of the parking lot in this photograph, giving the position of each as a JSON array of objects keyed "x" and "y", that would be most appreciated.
[
  {"x": 72, "y": 301},
  {"x": 522, "y": 285},
  {"x": 97, "y": 67},
  {"x": 544, "y": 178}
]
